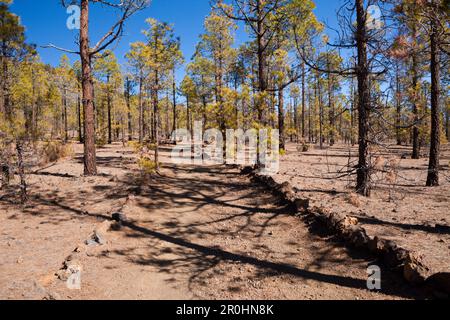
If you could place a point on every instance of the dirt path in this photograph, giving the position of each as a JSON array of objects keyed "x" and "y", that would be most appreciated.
[{"x": 195, "y": 233}]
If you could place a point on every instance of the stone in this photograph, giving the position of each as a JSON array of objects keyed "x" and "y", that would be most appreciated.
[
  {"x": 359, "y": 237},
  {"x": 62, "y": 274},
  {"x": 394, "y": 256},
  {"x": 52, "y": 296},
  {"x": 285, "y": 188},
  {"x": 99, "y": 238},
  {"x": 377, "y": 245},
  {"x": 91, "y": 242},
  {"x": 415, "y": 270}
]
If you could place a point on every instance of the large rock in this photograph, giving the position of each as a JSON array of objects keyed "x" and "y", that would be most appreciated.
[{"x": 415, "y": 270}]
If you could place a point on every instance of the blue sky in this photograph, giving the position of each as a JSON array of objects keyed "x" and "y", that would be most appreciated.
[{"x": 45, "y": 22}]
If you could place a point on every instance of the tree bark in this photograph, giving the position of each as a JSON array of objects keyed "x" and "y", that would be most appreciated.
[
  {"x": 141, "y": 111},
  {"x": 66, "y": 130},
  {"x": 319, "y": 92},
  {"x": 303, "y": 102},
  {"x": 435, "y": 148},
  {"x": 128, "y": 102},
  {"x": 363, "y": 171},
  {"x": 331, "y": 111},
  {"x": 281, "y": 119},
  {"x": 90, "y": 161},
  {"x": 79, "y": 116},
  {"x": 399, "y": 108},
  {"x": 174, "y": 93},
  {"x": 109, "y": 112}
]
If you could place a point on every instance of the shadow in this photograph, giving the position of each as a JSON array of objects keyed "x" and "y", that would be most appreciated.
[
  {"x": 51, "y": 174},
  {"x": 229, "y": 256},
  {"x": 405, "y": 226},
  {"x": 187, "y": 215}
]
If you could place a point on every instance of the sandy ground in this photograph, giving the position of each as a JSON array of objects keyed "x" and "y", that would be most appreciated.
[
  {"x": 401, "y": 208},
  {"x": 194, "y": 233}
]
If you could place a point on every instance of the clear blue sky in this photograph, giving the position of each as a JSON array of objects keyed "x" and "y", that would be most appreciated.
[{"x": 45, "y": 22}]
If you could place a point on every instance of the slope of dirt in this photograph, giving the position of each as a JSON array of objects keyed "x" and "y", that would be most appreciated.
[
  {"x": 194, "y": 233},
  {"x": 401, "y": 208}
]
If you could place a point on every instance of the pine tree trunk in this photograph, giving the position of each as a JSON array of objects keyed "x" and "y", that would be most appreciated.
[
  {"x": 90, "y": 162},
  {"x": 281, "y": 120},
  {"x": 331, "y": 107},
  {"x": 21, "y": 168},
  {"x": 399, "y": 108},
  {"x": 79, "y": 116},
  {"x": 319, "y": 92},
  {"x": 109, "y": 112},
  {"x": 363, "y": 172},
  {"x": 128, "y": 102},
  {"x": 174, "y": 93},
  {"x": 66, "y": 130},
  {"x": 303, "y": 102},
  {"x": 188, "y": 115},
  {"x": 433, "y": 168},
  {"x": 156, "y": 124},
  {"x": 415, "y": 133},
  {"x": 141, "y": 111}
]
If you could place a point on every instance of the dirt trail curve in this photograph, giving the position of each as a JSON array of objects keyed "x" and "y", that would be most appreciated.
[{"x": 194, "y": 233}]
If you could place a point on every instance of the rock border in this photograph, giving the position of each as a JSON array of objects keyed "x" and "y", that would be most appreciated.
[{"x": 404, "y": 261}]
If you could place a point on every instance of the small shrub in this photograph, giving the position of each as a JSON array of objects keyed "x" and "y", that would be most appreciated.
[
  {"x": 101, "y": 141},
  {"x": 52, "y": 151},
  {"x": 146, "y": 165},
  {"x": 136, "y": 146}
]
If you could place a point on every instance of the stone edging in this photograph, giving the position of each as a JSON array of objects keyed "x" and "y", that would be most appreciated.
[{"x": 393, "y": 256}]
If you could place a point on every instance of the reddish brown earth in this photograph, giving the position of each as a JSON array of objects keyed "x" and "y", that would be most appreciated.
[
  {"x": 401, "y": 208},
  {"x": 194, "y": 233}
]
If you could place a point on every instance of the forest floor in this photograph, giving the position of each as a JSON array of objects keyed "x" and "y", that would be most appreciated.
[
  {"x": 194, "y": 233},
  {"x": 400, "y": 208}
]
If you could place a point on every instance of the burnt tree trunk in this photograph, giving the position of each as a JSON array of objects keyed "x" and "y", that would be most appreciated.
[
  {"x": 363, "y": 171},
  {"x": 398, "y": 124},
  {"x": 433, "y": 168}
]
